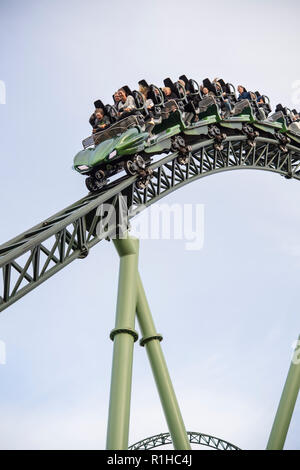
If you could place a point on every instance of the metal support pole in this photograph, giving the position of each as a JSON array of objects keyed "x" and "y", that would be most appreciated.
[
  {"x": 124, "y": 336},
  {"x": 151, "y": 340},
  {"x": 286, "y": 405}
]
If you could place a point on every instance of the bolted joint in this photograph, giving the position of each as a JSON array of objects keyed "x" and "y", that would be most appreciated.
[
  {"x": 129, "y": 331},
  {"x": 84, "y": 252},
  {"x": 146, "y": 339}
]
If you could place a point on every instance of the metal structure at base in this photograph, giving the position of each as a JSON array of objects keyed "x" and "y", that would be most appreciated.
[{"x": 194, "y": 438}]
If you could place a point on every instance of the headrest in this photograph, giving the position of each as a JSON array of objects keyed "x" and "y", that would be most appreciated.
[
  {"x": 278, "y": 108},
  {"x": 187, "y": 83},
  {"x": 228, "y": 88},
  {"x": 207, "y": 84},
  {"x": 168, "y": 83},
  {"x": 99, "y": 104},
  {"x": 184, "y": 79},
  {"x": 192, "y": 87},
  {"x": 222, "y": 83},
  {"x": 143, "y": 83}
]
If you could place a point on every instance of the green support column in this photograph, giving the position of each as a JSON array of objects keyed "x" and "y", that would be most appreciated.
[
  {"x": 151, "y": 340},
  {"x": 123, "y": 336},
  {"x": 286, "y": 406}
]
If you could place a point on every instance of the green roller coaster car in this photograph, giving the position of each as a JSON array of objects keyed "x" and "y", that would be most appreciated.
[{"x": 128, "y": 144}]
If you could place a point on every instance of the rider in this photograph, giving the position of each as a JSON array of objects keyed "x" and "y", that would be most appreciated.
[
  {"x": 225, "y": 103},
  {"x": 206, "y": 92},
  {"x": 168, "y": 90},
  {"x": 145, "y": 91},
  {"x": 116, "y": 98},
  {"x": 101, "y": 121},
  {"x": 126, "y": 104},
  {"x": 94, "y": 120},
  {"x": 243, "y": 93}
]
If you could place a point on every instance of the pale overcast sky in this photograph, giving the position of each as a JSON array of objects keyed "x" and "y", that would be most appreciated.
[{"x": 229, "y": 313}]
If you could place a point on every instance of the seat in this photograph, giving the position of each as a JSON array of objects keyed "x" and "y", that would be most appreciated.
[
  {"x": 207, "y": 84},
  {"x": 195, "y": 87},
  {"x": 140, "y": 106},
  {"x": 156, "y": 95},
  {"x": 223, "y": 85},
  {"x": 266, "y": 103},
  {"x": 218, "y": 94},
  {"x": 127, "y": 90},
  {"x": 99, "y": 104},
  {"x": 111, "y": 112},
  {"x": 176, "y": 88},
  {"x": 279, "y": 108},
  {"x": 286, "y": 112},
  {"x": 231, "y": 93}
]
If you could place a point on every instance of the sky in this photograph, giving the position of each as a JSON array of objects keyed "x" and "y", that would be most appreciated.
[{"x": 229, "y": 313}]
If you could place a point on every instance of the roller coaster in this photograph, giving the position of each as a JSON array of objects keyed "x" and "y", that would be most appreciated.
[
  {"x": 181, "y": 124},
  {"x": 188, "y": 152}
]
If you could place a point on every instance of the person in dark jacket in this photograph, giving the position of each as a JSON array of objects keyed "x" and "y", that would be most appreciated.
[
  {"x": 259, "y": 99},
  {"x": 243, "y": 93}
]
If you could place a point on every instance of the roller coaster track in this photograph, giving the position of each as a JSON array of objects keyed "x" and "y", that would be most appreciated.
[
  {"x": 34, "y": 256},
  {"x": 194, "y": 438}
]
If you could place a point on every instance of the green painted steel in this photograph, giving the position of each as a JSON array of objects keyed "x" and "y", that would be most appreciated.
[
  {"x": 151, "y": 340},
  {"x": 123, "y": 336},
  {"x": 131, "y": 299},
  {"x": 286, "y": 405}
]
